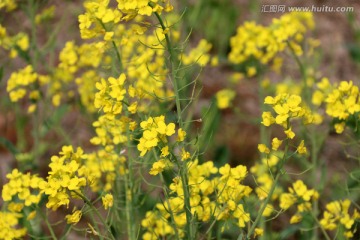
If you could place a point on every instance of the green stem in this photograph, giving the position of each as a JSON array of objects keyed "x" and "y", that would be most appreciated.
[
  {"x": 32, "y": 13},
  {"x": 172, "y": 67},
  {"x": 262, "y": 209},
  {"x": 302, "y": 71},
  {"x": 118, "y": 56},
  {"x": 189, "y": 234},
  {"x": 128, "y": 207},
  {"x": 88, "y": 202},
  {"x": 52, "y": 233},
  {"x": 184, "y": 180},
  {"x": 321, "y": 227},
  {"x": 167, "y": 197},
  {"x": 314, "y": 177},
  {"x": 273, "y": 186},
  {"x": 129, "y": 186},
  {"x": 263, "y": 136},
  {"x": 114, "y": 46}
]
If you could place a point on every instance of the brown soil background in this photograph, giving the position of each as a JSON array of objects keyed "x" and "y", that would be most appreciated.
[{"x": 332, "y": 29}]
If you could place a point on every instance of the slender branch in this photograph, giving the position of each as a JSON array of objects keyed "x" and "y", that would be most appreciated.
[
  {"x": 172, "y": 67},
  {"x": 262, "y": 209},
  {"x": 88, "y": 202},
  {"x": 183, "y": 168},
  {"x": 321, "y": 227},
  {"x": 48, "y": 224}
]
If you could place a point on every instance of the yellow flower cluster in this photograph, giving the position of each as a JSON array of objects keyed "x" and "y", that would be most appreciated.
[
  {"x": 111, "y": 131},
  {"x": 198, "y": 55},
  {"x": 342, "y": 101},
  {"x": 155, "y": 131},
  {"x": 101, "y": 168},
  {"x": 300, "y": 195},
  {"x": 224, "y": 98},
  {"x": 337, "y": 214},
  {"x": 45, "y": 15},
  {"x": 20, "y": 192},
  {"x": 14, "y": 44},
  {"x": 262, "y": 172},
  {"x": 214, "y": 193},
  {"x": 92, "y": 23},
  {"x": 72, "y": 59},
  {"x": 264, "y": 43},
  {"x": 143, "y": 7},
  {"x": 65, "y": 177},
  {"x": 286, "y": 107},
  {"x": 19, "y": 81},
  {"x": 10, "y": 5},
  {"x": 99, "y": 18},
  {"x": 22, "y": 186},
  {"x": 110, "y": 94},
  {"x": 230, "y": 192},
  {"x": 8, "y": 223}
]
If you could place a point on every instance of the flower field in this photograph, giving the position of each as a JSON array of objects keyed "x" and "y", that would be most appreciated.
[{"x": 161, "y": 119}]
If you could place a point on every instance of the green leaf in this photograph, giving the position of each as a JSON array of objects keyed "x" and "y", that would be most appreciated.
[{"x": 9, "y": 146}]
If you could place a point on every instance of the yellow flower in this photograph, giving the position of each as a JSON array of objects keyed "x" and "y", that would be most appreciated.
[
  {"x": 241, "y": 215},
  {"x": 74, "y": 217},
  {"x": 107, "y": 201},
  {"x": 339, "y": 127},
  {"x": 165, "y": 151},
  {"x": 287, "y": 200},
  {"x": 267, "y": 119},
  {"x": 258, "y": 232},
  {"x": 158, "y": 167},
  {"x": 289, "y": 133},
  {"x": 263, "y": 148},
  {"x": 295, "y": 219},
  {"x": 31, "y": 215},
  {"x": 275, "y": 144},
  {"x": 268, "y": 210},
  {"x": 301, "y": 149},
  {"x": 108, "y": 36},
  {"x": 133, "y": 108},
  {"x": 251, "y": 71},
  {"x": 198, "y": 55},
  {"x": 184, "y": 155},
  {"x": 181, "y": 135},
  {"x": 224, "y": 98}
]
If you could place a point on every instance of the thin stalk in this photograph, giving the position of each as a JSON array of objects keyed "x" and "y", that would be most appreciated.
[
  {"x": 128, "y": 207},
  {"x": 32, "y": 13},
  {"x": 263, "y": 137},
  {"x": 184, "y": 180},
  {"x": 314, "y": 148},
  {"x": 172, "y": 67},
  {"x": 314, "y": 160},
  {"x": 262, "y": 209},
  {"x": 321, "y": 227},
  {"x": 272, "y": 189},
  {"x": 302, "y": 71},
  {"x": 114, "y": 46},
  {"x": 129, "y": 180},
  {"x": 33, "y": 5},
  {"x": 97, "y": 228},
  {"x": 52, "y": 233},
  {"x": 118, "y": 56},
  {"x": 88, "y": 202},
  {"x": 169, "y": 206},
  {"x": 189, "y": 234}
]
